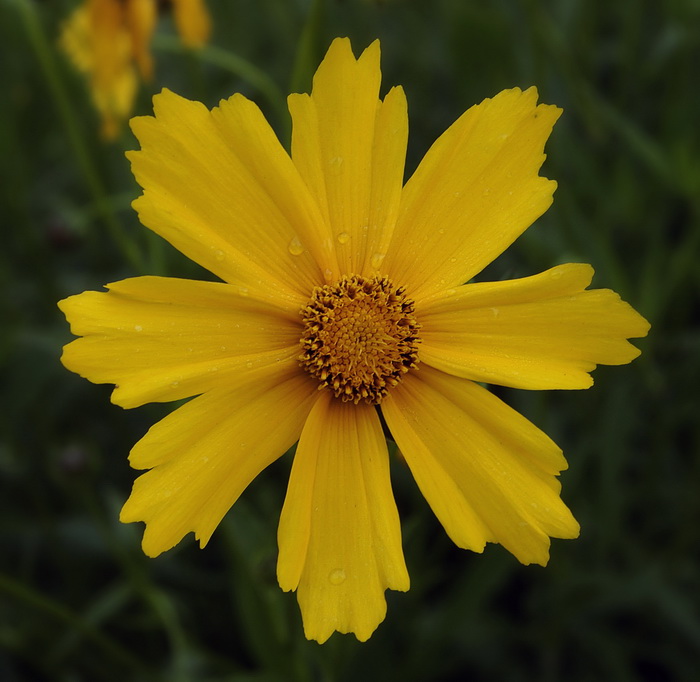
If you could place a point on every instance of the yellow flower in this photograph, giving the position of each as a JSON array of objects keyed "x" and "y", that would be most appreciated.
[
  {"x": 192, "y": 22},
  {"x": 343, "y": 297},
  {"x": 108, "y": 39}
]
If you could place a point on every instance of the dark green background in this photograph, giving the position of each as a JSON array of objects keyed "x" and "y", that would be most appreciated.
[{"x": 80, "y": 602}]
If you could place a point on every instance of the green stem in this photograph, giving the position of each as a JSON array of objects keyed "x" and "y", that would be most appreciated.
[
  {"x": 157, "y": 600},
  {"x": 48, "y": 606},
  {"x": 235, "y": 65},
  {"x": 47, "y": 61},
  {"x": 306, "y": 60},
  {"x": 306, "y": 57}
]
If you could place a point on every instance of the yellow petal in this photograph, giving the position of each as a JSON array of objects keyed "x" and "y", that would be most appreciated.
[
  {"x": 192, "y": 21},
  {"x": 140, "y": 18},
  {"x": 110, "y": 42},
  {"x": 539, "y": 332},
  {"x": 75, "y": 39},
  {"x": 219, "y": 187},
  {"x": 97, "y": 42},
  {"x": 161, "y": 339},
  {"x": 206, "y": 452},
  {"x": 350, "y": 149},
  {"x": 339, "y": 533},
  {"x": 487, "y": 473},
  {"x": 115, "y": 102},
  {"x": 474, "y": 193}
]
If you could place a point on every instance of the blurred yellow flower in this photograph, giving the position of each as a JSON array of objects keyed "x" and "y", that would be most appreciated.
[
  {"x": 109, "y": 40},
  {"x": 343, "y": 297}
]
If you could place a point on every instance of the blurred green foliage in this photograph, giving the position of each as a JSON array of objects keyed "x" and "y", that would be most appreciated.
[{"x": 79, "y": 601}]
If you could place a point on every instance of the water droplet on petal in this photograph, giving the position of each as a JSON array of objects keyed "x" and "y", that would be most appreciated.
[
  {"x": 343, "y": 237},
  {"x": 495, "y": 312},
  {"x": 295, "y": 247},
  {"x": 337, "y": 576},
  {"x": 138, "y": 328},
  {"x": 335, "y": 163},
  {"x": 249, "y": 364},
  {"x": 487, "y": 191},
  {"x": 376, "y": 260},
  {"x": 219, "y": 255},
  {"x": 242, "y": 291},
  {"x": 175, "y": 384}
]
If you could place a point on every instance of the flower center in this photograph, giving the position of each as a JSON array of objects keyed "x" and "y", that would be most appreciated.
[{"x": 360, "y": 337}]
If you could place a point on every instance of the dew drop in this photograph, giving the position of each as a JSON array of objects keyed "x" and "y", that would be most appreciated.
[
  {"x": 138, "y": 328},
  {"x": 376, "y": 260},
  {"x": 453, "y": 260},
  {"x": 337, "y": 576},
  {"x": 295, "y": 247},
  {"x": 343, "y": 237},
  {"x": 242, "y": 291},
  {"x": 219, "y": 255},
  {"x": 336, "y": 162},
  {"x": 487, "y": 191},
  {"x": 496, "y": 312},
  {"x": 249, "y": 364},
  {"x": 441, "y": 230},
  {"x": 175, "y": 384}
]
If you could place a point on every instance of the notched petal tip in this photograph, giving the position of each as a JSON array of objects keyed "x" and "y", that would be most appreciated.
[
  {"x": 506, "y": 490},
  {"x": 154, "y": 542},
  {"x": 340, "y": 56},
  {"x": 339, "y": 533},
  {"x": 547, "y": 331},
  {"x": 201, "y": 457},
  {"x": 480, "y": 183},
  {"x": 156, "y": 100}
]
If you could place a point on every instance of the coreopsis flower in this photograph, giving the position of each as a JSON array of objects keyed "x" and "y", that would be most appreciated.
[
  {"x": 343, "y": 297},
  {"x": 109, "y": 41}
]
